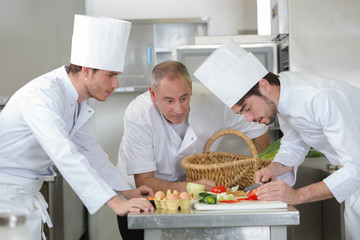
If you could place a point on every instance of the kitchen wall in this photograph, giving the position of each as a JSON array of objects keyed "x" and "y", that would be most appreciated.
[
  {"x": 35, "y": 37},
  {"x": 227, "y": 17},
  {"x": 240, "y": 17}
]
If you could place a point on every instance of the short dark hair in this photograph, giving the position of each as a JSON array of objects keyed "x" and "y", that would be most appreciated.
[
  {"x": 272, "y": 78},
  {"x": 76, "y": 68}
]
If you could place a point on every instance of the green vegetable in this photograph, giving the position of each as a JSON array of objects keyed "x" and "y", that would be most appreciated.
[
  {"x": 272, "y": 150},
  {"x": 210, "y": 200},
  {"x": 206, "y": 197}
]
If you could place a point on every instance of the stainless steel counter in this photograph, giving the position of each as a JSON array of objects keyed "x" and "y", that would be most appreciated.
[{"x": 193, "y": 224}]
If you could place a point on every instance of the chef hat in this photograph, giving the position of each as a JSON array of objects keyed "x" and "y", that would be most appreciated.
[
  {"x": 99, "y": 42},
  {"x": 230, "y": 72}
]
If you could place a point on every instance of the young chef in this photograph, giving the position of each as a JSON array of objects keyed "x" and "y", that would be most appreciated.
[
  {"x": 162, "y": 126},
  {"x": 313, "y": 111},
  {"x": 46, "y": 122}
]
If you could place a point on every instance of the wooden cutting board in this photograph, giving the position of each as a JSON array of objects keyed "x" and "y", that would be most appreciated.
[{"x": 242, "y": 205}]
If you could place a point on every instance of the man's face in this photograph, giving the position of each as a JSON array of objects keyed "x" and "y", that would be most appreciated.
[
  {"x": 172, "y": 97},
  {"x": 100, "y": 84},
  {"x": 257, "y": 109}
]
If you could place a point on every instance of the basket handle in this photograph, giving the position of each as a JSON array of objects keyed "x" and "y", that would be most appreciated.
[{"x": 230, "y": 132}]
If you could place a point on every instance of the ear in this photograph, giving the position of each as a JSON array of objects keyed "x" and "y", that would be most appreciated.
[
  {"x": 152, "y": 94},
  {"x": 85, "y": 71},
  {"x": 264, "y": 87}
]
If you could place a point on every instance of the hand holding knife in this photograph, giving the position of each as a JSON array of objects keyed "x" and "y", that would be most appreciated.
[{"x": 252, "y": 187}]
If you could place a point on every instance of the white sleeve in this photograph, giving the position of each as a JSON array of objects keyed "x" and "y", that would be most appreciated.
[
  {"x": 98, "y": 159},
  {"x": 136, "y": 148},
  {"x": 43, "y": 116},
  {"x": 335, "y": 115},
  {"x": 292, "y": 151}
]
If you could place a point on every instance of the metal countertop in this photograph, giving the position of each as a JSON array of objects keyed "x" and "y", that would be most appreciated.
[{"x": 191, "y": 218}]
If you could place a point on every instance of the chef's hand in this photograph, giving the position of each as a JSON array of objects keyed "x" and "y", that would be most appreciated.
[
  {"x": 271, "y": 172},
  {"x": 142, "y": 191},
  {"x": 122, "y": 207},
  {"x": 207, "y": 183},
  {"x": 278, "y": 190},
  {"x": 264, "y": 175}
]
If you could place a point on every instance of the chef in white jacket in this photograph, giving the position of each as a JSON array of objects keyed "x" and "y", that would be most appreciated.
[
  {"x": 173, "y": 119},
  {"x": 313, "y": 111},
  {"x": 46, "y": 122}
]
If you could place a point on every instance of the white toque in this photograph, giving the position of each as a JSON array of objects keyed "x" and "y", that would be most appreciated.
[
  {"x": 99, "y": 42},
  {"x": 230, "y": 72}
]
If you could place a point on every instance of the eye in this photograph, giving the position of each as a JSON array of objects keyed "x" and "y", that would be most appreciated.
[{"x": 169, "y": 101}]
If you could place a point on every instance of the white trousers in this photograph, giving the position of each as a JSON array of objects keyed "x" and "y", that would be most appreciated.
[
  {"x": 21, "y": 196},
  {"x": 352, "y": 216}
]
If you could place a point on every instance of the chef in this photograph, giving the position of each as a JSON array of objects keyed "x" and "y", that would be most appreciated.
[
  {"x": 46, "y": 122},
  {"x": 173, "y": 119},
  {"x": 313, "y": 111}
]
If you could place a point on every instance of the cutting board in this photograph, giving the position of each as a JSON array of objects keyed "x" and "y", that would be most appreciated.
[{"x": 242, "y": 205}]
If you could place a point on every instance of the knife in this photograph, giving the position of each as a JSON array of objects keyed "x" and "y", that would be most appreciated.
[{"x": 252, "y": 187}]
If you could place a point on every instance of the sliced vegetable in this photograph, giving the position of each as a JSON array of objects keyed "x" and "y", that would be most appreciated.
[
  {"x": 252, "y": 194},
  {"x": 234, "y": 200},
  {"x": 225, "y": 196},
  {"x": 210, "y": 200},
  {"x": 218, "y": 189},
  {"x": 234, "y": 189},
  {"x": 228, "y": 201},
  {"x": 206, "y": 197},
  {"x": 194, "y": 187}
]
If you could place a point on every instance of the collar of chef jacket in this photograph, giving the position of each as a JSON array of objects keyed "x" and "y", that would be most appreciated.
[{"x": 189, "y": 137}]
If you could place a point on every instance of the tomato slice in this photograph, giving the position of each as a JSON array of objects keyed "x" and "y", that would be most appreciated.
[
  {"x": 228, "y": 201},
  {"x": 218, "y": 189},
  {"x": 252, "y": 194},
  {"x": 233, "y": 201}
]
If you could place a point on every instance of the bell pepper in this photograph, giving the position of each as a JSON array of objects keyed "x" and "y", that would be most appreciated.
[{"x": 252, "y": 194}]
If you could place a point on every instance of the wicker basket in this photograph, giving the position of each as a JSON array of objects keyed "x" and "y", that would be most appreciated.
[{"x": 226, "y": 169}]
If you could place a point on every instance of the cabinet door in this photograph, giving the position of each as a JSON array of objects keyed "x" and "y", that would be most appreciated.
[{"x": 139, "y": 60}]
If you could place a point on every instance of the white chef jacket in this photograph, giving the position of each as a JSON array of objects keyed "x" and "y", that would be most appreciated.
[
  {"x": 150, "y": 144},
  {"x": 39, "y": 126},
  {"x": 322, "y": 113}
]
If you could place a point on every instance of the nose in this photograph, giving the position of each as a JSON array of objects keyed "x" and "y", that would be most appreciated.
[
  {"x": 177, "y": 108},
  {"x": 115, "y": 82},
  {"x": 249, "y": 117}
]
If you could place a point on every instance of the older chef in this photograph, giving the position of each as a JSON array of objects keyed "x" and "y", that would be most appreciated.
[
  {"x": 162, "y": 126},
  {"x": 313, "y": 111},
  {"x": 46, "y": 122}
]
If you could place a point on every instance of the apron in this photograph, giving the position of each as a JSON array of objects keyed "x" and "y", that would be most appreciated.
[{"x": 21, "y": 195}]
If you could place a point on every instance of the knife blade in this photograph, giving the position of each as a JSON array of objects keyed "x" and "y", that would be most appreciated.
[{"x": 252, "y": 187}]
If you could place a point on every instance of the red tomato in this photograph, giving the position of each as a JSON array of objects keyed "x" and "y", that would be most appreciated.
[
  {"x": 252, "y": 194},
  {"x": 218, "y": 189}
]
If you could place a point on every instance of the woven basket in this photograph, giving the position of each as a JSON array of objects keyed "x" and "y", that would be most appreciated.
[{"x": 226, "y": 169}]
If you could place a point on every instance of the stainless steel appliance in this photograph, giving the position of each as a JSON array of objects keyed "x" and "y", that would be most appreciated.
[
  {"x": 67, "y": 213},
  {"x": 150, "y": 42}
]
